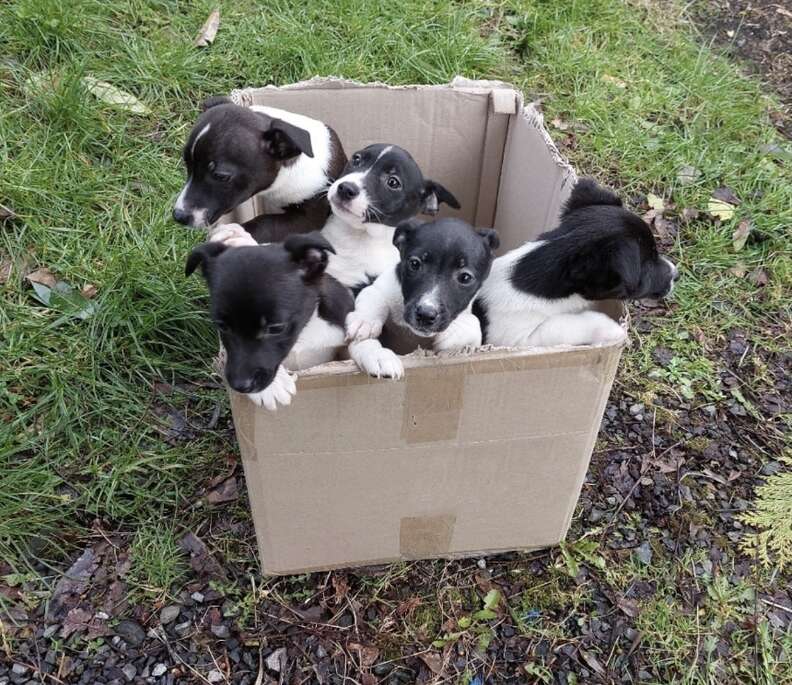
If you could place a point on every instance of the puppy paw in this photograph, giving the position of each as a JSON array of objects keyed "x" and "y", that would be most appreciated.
[
  {"x": 376, "y": 360},
  {"x": 358, "y": 327},
  {"x": 602, "y": 329},
  {"x": 279, "y": 392},
  {"x": 462, "y": 333},
  {"x": 232, "y": 235}
]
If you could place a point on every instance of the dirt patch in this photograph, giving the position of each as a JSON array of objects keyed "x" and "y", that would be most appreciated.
[{"x": 759, "y": 33}]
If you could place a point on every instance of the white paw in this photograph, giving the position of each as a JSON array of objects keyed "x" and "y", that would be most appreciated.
[
  {"x": 376, "y": 360},
  {"x": 232, "y": 235},
  {"x": 358, "y": 327},
  {"x": 279, "y": 392},
  {"x": 459, "y": 335},
  {"x": 603, "y": 330}
]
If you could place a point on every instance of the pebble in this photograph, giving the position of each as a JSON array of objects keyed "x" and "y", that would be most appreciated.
[
  {"x": 220, "y": 631},
  {"x": 19, "y": 669},
  {"x": 182, "y": 628},
  {"x": 158, "y": 670},
  {"x": 49, "y": 631},
  {"x": 197, "y": 597},
  {"x": 129, "y": 672},
  {"x": 131, "y": 632},
  {"x": 770, "y": 468},
  {"x": 636, "y": 409},
  {"x": 215, "y": 677},
  {"x": 169, "y": 614}
]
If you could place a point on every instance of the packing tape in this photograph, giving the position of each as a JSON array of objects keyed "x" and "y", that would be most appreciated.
[
  {"x": 433, "y": 403},
  {"x": 425, "y": 536}
]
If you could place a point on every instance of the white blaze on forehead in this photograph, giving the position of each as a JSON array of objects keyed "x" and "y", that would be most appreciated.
[
  {"x": 387, "y": 149},
  {"x": 201, "y": 133}
]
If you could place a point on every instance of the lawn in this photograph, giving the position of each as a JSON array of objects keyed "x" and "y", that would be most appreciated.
[{"x": 115, "y": 431}]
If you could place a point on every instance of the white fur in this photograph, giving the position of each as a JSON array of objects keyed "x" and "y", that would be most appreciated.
[
  {"x": 464, "y": 331},
  {"x": 674, "y": 270},
  {"x": 305, "y": 176},
  {"x": 376, "y": 360},
  {"x": 516, "y": 319},
  {"x": 198, "y": 215},
  {"x": 279, "y": 392},
  {"x": 354, "y": 210},
  {"x": 232, "y": 235}
]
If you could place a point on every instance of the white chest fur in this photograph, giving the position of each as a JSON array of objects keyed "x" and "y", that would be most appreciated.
[{"x": 360, "y": 254}]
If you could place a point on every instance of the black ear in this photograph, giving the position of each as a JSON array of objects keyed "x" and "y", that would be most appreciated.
[
  {"x": 626, "y": 263},
  {"x": 403, "y": 230},
  {"x": 490, "y": 236},
  {"x": 284, "y": 141},
  {"x": 433, "y": 194},
  {"x": 214, "y": 101},
  {"x": 588, "y": 192},
  {"x": 202, "y": 254},
  {"x": 309, "y": 252}
]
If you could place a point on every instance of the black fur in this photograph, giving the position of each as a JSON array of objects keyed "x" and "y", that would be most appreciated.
[
  {"x": 600, "y": 250},
  {"x": 262, "y": 298},
  {"x": 443, "y": 264}
]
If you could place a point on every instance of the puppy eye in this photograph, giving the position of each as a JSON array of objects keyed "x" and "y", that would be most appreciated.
[
  {"x": 356, "y": 159},
  {"x": 222, "y": 176},
  {"x": 393, "y": 183},
  {"x": 276, "y": 328},
  {"x": 414, "y": 264},
  {"x": 465, "y": 277}
]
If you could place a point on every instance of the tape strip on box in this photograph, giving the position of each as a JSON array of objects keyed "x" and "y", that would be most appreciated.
[
  {"x": 425, "y": 536},
  {"x": 433, "y": 404}
]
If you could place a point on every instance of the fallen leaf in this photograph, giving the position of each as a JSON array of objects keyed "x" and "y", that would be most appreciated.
[
  {"x": 655, "y": 202},
  {"x": 89, "y": 291},
  {"x": 726, "y": 194},
  {"x": 76, "y": 621},
  {"x": 5, "y": 270},
  {"x": 560, "y": 124},
  {"x": 689, "y": 214},
  {"x": 739, "y": 270},
  {"x": 108, "y": 93},
  {"x": 614, "y": 81},
  {"x": 73, "y": 584},
  {"x": 687, "y": 175},
  {"x": 209, "y": 30},
  {"x": 201, "y": 561},
  {"x": 367, "y": 655},
  {"x": 341, "y": 587},
  {"x": 720, "y": 210},
  {"x": 628, "y": 606},
  {"x": 592, "y": 662},
  {"x": 6, "y": 213},
  {"x": 43, "y": 276},
  {"x": 740, "y": 235},
  {"x": 226, "y": 491},
  {"x": 759, "y": 276},
  {"x": 433, "y": 661},
  {"x": 783, "y": 11},
  {"x": 408, "y": 606},
  {"x": 664, "y": 228}
]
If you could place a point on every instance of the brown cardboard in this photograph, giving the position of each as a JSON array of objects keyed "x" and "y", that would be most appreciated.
[{"x": 468, "y": 454}]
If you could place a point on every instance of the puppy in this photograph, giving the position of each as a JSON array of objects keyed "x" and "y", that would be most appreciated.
[
  {"x": 541, "y": 294},
  {"x": 429, "y": 293},
  {"x": 380, "y": 187},
  {"x": 235, "y": 152},
  {"x": 275, "y": 309}
]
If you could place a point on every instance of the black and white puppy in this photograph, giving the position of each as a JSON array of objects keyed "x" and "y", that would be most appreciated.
[
  {"x": 275, "y": 309},
  {"x": 235, "y": 152},
  {"x": 429, "y": 292},
  {"x": 542, "y": 294},
  {"x": 380, "y": 187}
]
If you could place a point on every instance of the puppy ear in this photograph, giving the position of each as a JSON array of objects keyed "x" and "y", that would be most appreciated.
[
  {"x": 433, "y": 194},
  {"x": 214, "y": 101},
  {"x": 202, "y": 254},
  {"x": 284, "y": 141},
  {"x": 309, "y": 252},
  {"x": 403, "y": 230},
  {"x": 588, "y": 192},
  {"x": 626, "y": 264},
  {"x": 490, "y": 236}
]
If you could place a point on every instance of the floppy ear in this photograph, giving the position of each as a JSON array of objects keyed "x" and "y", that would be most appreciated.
[
  {"x": 214, "y": 101},
  {"x": 202, "y": 254},
  {"x": 403, "y": 230},
  {"x": 491, "y": 237},
  {"x": 588, "y": 192},
  {"x": 309, "y": 252},
  {"x": 433, "y": 194},
  {"x": 626, "y": 264},
  {"x": 284, "y": 141}
]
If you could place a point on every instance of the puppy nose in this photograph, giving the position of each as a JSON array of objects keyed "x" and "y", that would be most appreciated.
[
  {"x": 426, "y": 314},
  {"x": 243, "y": 385},
  {"x": 181, "y": 216},
  {"x": 347, "y": 191}
]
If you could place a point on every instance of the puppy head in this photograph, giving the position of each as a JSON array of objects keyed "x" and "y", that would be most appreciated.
[
  {"x": 382, "y": 184},
  {"x": 443, "y": 264},
  {"x": 231, "y": 154},
  {"x": 261, "y": 299}
]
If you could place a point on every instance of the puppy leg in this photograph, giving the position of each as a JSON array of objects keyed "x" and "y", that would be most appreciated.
[
  {"x": 464, "y": 331},
  {"x": 232, "y": 235},
  {"x": 372, "y": 307},
  {"x": 279, "y": 392},
  {"x": 583, "y": 328},
  {"x": 376, "y": 360}
]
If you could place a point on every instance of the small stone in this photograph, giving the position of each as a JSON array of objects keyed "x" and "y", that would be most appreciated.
[
  {"x": 49, "y": 631},
  {"x": 182, "y": 628},
  {"x": 644, "y": 553},
  {"x": 220, "y": 631},
  {"x": 102, "y": 616},
  {"x": 19, "y": 669},
  {"x": 158, "y": 670},
  {"x": 482, "y": 563},
  {"x": 710, "y": 410},
  {"x": 197, "y": 597},
  {"x": 169, "y": 614},
  {"x": 215, "y": 677},
  {"x": 770, "y": 468},
  {"x": 636, "y": 409},
  {"x": 129, "y": 672},
  {"x": 131, "y": 632},
  {"x": 595, "y": 515},
  {"x": 646, "y": 481}
]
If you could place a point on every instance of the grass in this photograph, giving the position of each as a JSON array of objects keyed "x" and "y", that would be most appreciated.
[{"x": 81, "y": 434}]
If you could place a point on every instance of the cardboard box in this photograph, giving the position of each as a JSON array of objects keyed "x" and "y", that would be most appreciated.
[{"x": 469, "y": 454}]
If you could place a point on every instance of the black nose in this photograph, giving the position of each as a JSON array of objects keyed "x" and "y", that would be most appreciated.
[
  {"x": 347, "y": 191},
  {"x": 426, "y": 314},
  {"x": 260, "y": 379},
  {"x": 181, "y": 216}
]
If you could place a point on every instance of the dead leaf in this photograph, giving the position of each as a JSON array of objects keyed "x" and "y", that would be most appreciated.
[
  {"x": 560, "y": 124},
  {"x": 783, "y": 11},
  {"x": 73, "y": 584},
  {"x": 739, "y": 270},
  {"x": 664, "y": 228},
  {"x": 720, "y": 210},
  {"x": 6, "y": 213},
  {"x": 655, "y": 202},
  {"x": 592, "y": 662},
  {"x": 43, "y": 276},
  {"x": 726, "y": 194},
  {"x": 367, "y": 655},
  {"x": 740, "y": 235},
  {"x": 226, "y": 491},
  {"x": 89, "y": 291},
  {"x": 759, "y": 277},
  {"x": 208, "y": 31},
  {"x": 433, "y": 661},
  {"x": 687, "y": 175},
  {"x": 368, "y": 679},
  {"x": 201, "y": 561},
  {"x": 76, "y": 621},
  {"x": 689, "y": 214},
  {"x": 108, "y": 93},
  {"x": 5, "y": 270},
  {"x": 614, "y": 81},
  {"x": 628, "y": 606},
  {"x": 408, "y": 606},
  {"x": 341, "y": 587}
]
